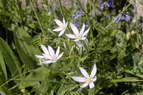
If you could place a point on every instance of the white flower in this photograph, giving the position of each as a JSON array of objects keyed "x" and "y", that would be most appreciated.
[
  {"x": 62, "y": 26},
  {"x": 78, "y": 35},
  {"x": 87, "y": 80},
  {"x": 49, "y": 55}
]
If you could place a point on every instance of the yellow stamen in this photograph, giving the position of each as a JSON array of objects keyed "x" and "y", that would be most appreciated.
[
  {"x": 89, "y": 79},
  {"x": 78, "y": 36}
]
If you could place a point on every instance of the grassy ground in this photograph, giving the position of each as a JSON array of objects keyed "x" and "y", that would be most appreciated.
[{"x": 115, "y": 48}]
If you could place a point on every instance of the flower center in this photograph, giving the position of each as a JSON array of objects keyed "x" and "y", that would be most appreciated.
[
  {"x": 89, "y": 80},
  {"x": 54, "y": 58},
  {"x": 78, "y": 36},
  {"x": 64, "y": 26}
]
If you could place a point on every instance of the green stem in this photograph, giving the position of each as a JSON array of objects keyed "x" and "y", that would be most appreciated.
[{"x": 36, "y": 16}]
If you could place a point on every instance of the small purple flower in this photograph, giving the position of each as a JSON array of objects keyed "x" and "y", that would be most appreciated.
[
  {"x": 78, "y": 14},
  {"x": 77, "y": 24},
  {"x": 108, "y": 3},
  {"x": 121, "y": 17}
]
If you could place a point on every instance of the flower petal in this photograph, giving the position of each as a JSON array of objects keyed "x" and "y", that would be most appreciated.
[
  {"x": 58, "y": 29},
  {"x": 61, "y": 33},
  {"x": 79, "y": 79},
  {"x": 84, "y": 72},
  {"x": 58, "y": 51},
  {"x": 82, "y": 29},
  {"x": 84, "y": 85},
  {"x": 74, "y": 29},
  {"x": 94, "y": 79},
  {"x": 103, "y": 5},
  {"x": 91, "y": 85},
  {"x": 58, "y": 22},
  {"x": 83, "y": 38},
  {"x": 64, "y": 22},
  {"x": 76, "y": 40},
  {"x": 60, "y": 55},
  {"x": 47, "y": 56},
  {"x": 117, "y": 18},
  {"x": 85, "y": 33},
  {"x": 47, "y": 62},
  {"x": 71, "y": 36},
  {"x": 39, "y": 56},
  {"x": 51, "y": 51},
  {"x": 45, "y": 50},
  {"x": 94, "y": 70}
]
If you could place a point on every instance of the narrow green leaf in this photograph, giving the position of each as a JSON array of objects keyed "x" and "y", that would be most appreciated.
[
  {"x": 39, "y": 74},
  {"x": 127, "y": 79},
  {"x": 9, "y": 58},
  {"x": 3, "y": 65},
  {"x": 26, "y": 51}
]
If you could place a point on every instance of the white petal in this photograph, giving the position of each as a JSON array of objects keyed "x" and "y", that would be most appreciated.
[
  {"x": 39, "y": 56},
  {"x": 94, "y": 79},
  {"x": 62, "y": 32},
  {"x": 91, "y": 85},
  {"x": 84, "y": 85},
  {"x": 58, "y": 51},
  {"x": 60, "y": 55},
  {"x": 79, "y": 79},
  {"x": 83, "y": 38},
  {"x": 74, "y": 29},
  {"x": 45, "y": 50},
  {"x": 51, "y": 51},
  {"x": 58, "y": 29},
  {"x": 64, "y": 22},
  {"x": 47, "y": 56},
  {"x": 76, "y": 40},
  {"x": 84, "y": 72},
  {"x": 71, "y": 36},
  {"x": 58, "y": 22},
  {"x": 94, "y": 70},
  {"x": 85, "y": 33},
  {"x": 82, "y": 29},
  {"x": 47, "y": 62}
]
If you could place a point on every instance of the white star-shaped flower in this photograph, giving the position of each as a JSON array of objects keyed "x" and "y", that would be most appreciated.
[
  {"x": 49, "y": 55},
  {"x": 87, "y": 80},
  {"x": 62, "y": 26},
  {"x": 77, "y": 36}
]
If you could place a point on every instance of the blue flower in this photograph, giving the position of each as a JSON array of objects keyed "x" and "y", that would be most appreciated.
[
  {"x": 108, "y": 3},
  {"x": 121, "y": 17},
  {"x": 78, "y": 23},
  {"x": 78, "y": 14}
]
